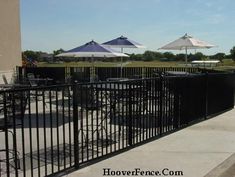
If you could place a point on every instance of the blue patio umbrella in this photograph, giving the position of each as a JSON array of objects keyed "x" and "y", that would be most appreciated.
[
  {"x": 92, "y": 50},
  {"x": 123, "y": 42}
]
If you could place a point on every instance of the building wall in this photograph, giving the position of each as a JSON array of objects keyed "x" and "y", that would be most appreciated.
[{"x": 10, "y": 40}]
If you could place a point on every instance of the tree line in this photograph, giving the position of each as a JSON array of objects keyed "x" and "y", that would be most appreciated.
[{"x": 146, "y": 56}]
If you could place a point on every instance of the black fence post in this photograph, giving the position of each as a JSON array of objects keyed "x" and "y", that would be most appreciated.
[
  {"x": 75, "y": 125},
  {"x": 130, "y": 115}
]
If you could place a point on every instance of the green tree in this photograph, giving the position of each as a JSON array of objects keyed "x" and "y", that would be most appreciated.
[
  {"x": 136, "y": 57},
  {"x": 199, "y": 56},
  {"x": 219, "y": 56},
  {"x": 158, "y": 55},
  {"x": 148, "y": 55},
  {"x": 196, "y": 56},
  {"x": 56, "y": 52},
  {"x": 169, "y": 55},
  {"x": 232, "y": 51},
  {"x": 180, "y": 57},
  {"x": 32, "y": 55}
]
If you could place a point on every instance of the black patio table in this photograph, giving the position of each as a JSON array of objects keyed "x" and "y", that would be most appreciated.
[
  {"x": 117, "y": 79},
  {"x": 115, "y": 94},
  {"x": 12, "y": 86},
  {"x": 41, "y": 81}
]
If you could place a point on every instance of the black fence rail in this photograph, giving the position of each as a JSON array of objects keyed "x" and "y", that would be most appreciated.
[
  {"x": 50, "y": 129},
  {"x": 103, "y": 73}
]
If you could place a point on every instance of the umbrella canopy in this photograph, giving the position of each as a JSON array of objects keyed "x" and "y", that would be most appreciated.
[
  {"x": 123, "y": 42},
  {"x": 92, "y": 49},
  {"x": 187, "y": 42}
]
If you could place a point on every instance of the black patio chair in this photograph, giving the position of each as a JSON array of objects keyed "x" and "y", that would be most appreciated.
[
  {"x": 33, "y": 84},
  {"x": 9, "y": 158},
  {"x": 90, "y": 107},
  {"x": 4, "y": 79},
  {"x": 13, "y": 108}
]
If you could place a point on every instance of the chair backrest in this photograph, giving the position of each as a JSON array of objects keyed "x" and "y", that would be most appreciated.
[
  {"x": 4, "y": 79},
  {"x": 31, "y": 79},
  {"x": 79, "y": 77},
  {"x": 30, "y": 75},
  {"x": 85, "y": 95},
  {"x": 86, "y": 98}
]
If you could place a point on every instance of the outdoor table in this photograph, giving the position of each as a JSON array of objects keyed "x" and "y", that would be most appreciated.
[
  {"x": 109, "y": 100},
  {"x": 2, "y": 104},
  {"x": 113, "y": 92},
  {"x": 116, "y": 95},
  {"x": 177, "y": 73},
  {"x": 41, "y": 81},
  {"x": 12, "y": 86},
  {"x": 117, "y": 79},
  {"x": 8, "y": 102}
]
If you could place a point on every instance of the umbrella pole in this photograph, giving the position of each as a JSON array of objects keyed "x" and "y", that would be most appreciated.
[
  {"x": 121, "y": 61},
  {"x": 92, "y": 69},
  {"x": 186, "y": 56}
]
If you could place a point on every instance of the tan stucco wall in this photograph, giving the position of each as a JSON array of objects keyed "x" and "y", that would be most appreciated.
[{"x": 10, "y": 40}]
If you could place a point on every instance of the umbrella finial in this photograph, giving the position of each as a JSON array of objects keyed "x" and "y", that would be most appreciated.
[
  {"x": 122, "y": 37},
  {"x": 186, "y": 36},
  {"x": 92, "y": 41}
]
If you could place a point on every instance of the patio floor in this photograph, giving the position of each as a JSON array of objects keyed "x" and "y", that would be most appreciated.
[{"x": 204, "y": 149}]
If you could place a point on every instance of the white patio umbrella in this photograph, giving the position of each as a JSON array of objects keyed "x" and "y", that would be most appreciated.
[
  {"x": 92, "y": 50},
  {"x": 187, "y": 42},
  {"x": 123, "y": 42}
]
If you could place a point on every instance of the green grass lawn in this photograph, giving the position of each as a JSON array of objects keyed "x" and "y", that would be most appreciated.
[
  {"x": 112, "y": 64},
  {"x": 227, "y": 64}
]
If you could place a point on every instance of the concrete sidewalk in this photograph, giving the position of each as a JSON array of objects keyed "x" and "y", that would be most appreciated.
[{"x": 204, "y": 149}]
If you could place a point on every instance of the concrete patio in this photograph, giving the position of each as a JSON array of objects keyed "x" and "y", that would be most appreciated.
[{"x": 204, "y": 149}]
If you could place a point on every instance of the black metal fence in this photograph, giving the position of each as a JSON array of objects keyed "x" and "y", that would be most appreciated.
[
  {"x": 50, "y": 129},
  {"x": 82, "y": 74}
]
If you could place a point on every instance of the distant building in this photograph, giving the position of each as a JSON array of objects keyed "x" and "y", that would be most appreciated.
[
  {"x": 10, "y": 40},
  {"x": 206, "y": 63}
]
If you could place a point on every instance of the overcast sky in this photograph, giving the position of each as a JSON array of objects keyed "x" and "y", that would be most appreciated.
[{"x": 48, "y": 25}]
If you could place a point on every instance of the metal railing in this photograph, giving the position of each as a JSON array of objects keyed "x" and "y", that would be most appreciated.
[
  {"x": 82, "y": 74},
  {"x": 50, "y": 129}
]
